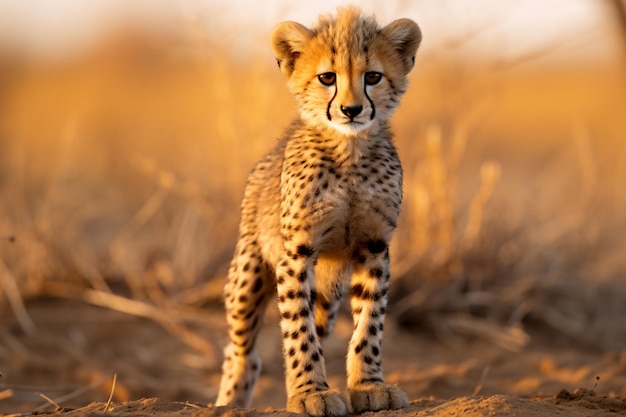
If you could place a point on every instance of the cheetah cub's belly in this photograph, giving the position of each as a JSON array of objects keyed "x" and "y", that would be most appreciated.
[{"x": 318, "y": 214}]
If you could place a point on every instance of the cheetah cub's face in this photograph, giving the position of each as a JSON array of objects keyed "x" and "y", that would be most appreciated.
[{"x": 347, "y": 73}]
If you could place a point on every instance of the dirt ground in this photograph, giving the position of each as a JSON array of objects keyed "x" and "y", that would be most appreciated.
[{"x": 76, "y": 350}]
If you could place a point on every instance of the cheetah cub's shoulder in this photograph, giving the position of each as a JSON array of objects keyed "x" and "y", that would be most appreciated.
[{"x": 318, "y": 214}]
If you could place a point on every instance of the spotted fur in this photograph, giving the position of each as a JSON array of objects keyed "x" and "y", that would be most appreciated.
[{"x": 318, "y": 214}]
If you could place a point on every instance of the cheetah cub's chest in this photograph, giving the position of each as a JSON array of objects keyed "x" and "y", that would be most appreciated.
[
  {"x": 319, "y": 212},
  {"x": 344, "y": 193}
]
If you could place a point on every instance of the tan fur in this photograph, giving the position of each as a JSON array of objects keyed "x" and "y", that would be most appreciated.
[{"x": 319, "y": 211}]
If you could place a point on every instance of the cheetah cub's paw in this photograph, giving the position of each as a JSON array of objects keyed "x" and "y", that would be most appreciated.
[
  {"x": 318, "y": 404},
  {"x": 375, "y": 397}
]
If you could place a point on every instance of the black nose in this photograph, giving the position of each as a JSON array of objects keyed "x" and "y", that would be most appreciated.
[{"x": 351, "y": 111}]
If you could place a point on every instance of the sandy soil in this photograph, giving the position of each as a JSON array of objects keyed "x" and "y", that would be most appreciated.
[{"x": 77, "y": 348}]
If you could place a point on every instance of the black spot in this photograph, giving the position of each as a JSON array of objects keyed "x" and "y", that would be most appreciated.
[
  {"x": 243, "y": 298},
  {"x": 320, "y": 331},
  {"x": 295, "y": 335},
  {"x": 291, "y": 272},
  {"x": 291, "y": 352},
  {"x": 305, "y": 250},
  {"x": 357, "y": 290},
  {"x": 308, "y": 368},
  {"x": 246, "y": 267},
  {"x": 286, "y": 315},
  {"x": 260, "y": 300},
  {"x": 372, "y": 330},
  {"x": 302, "y": 277},
  {"x": 360, "y": 259},
  {"x": 367, "y": 360},
  {"x": 304, "y": 312},
  {"x": 375, "y": 351},
  {"x": 315, "y": 357},
  {"x": 257, "y": 285},
  {"x": 376, "y": 246},
  {"x": 295, "y": 364},
  {"x": 304, "y": 347},
  {"x": 376, "y": 272},
  {"x": 370, "y": 380}
]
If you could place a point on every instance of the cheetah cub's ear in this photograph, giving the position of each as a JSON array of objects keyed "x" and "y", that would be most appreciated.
[
  {"x": 288, "y": 40},
  {"x": 405, "y": 36}
]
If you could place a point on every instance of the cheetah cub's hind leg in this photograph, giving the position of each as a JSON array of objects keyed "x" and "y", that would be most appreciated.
[{"x": 249, "y": 287}]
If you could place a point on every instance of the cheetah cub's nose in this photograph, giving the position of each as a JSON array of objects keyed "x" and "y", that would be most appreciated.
[{"x": 351, "y": 111}]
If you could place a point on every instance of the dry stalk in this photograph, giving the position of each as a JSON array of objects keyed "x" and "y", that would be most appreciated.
[
  {"x": 511, "y": 338},
  {"x": 490, "y": 175},
  {"x": 50, "y": 400},
  {"x": 12, "y": 292},
  {"x": 106, "y": 407},
  {"x": 7, "y": 393},
  {"x": 441, "y": 205},
  {"x": 166, "y": 318},
  {"x": 80, "y": 391},
  {"x": 481, "y": 381}
]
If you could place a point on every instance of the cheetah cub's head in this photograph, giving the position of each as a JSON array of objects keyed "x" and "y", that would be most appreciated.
[{"x": 347, "y": 73}]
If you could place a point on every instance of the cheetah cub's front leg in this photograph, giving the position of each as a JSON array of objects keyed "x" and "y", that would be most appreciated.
[
  {"x": 368, "y": 301},
  {"x": 307, "y": 390}
]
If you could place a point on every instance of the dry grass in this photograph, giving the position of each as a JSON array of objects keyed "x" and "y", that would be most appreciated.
[{"x": 121, "y": 174}]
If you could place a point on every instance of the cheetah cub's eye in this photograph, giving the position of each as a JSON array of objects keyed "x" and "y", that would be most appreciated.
[
  {"x": 373, "y": 77},
  {"x": 327, "y": 78}
]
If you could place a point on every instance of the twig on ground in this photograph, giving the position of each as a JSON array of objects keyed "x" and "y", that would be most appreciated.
[
  {"x": 106, "y": 407},
  {"x": 50, "y": 400},
  {"x": 80, "y": 391},
  {"x": 196, "y": 406},
  {"x": 481, "y": 381}
]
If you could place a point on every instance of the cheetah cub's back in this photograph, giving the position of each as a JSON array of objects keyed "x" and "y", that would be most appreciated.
[{"x": 318, "y": 214}]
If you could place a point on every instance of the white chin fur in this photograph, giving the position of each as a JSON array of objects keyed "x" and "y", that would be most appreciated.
[{"x": 350, "y": 129}]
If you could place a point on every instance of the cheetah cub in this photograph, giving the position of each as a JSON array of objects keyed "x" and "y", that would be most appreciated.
[{"x": 318, "y": 214}]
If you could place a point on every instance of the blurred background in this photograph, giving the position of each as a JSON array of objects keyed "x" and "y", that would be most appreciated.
[{"x": 127, "y": 129}]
